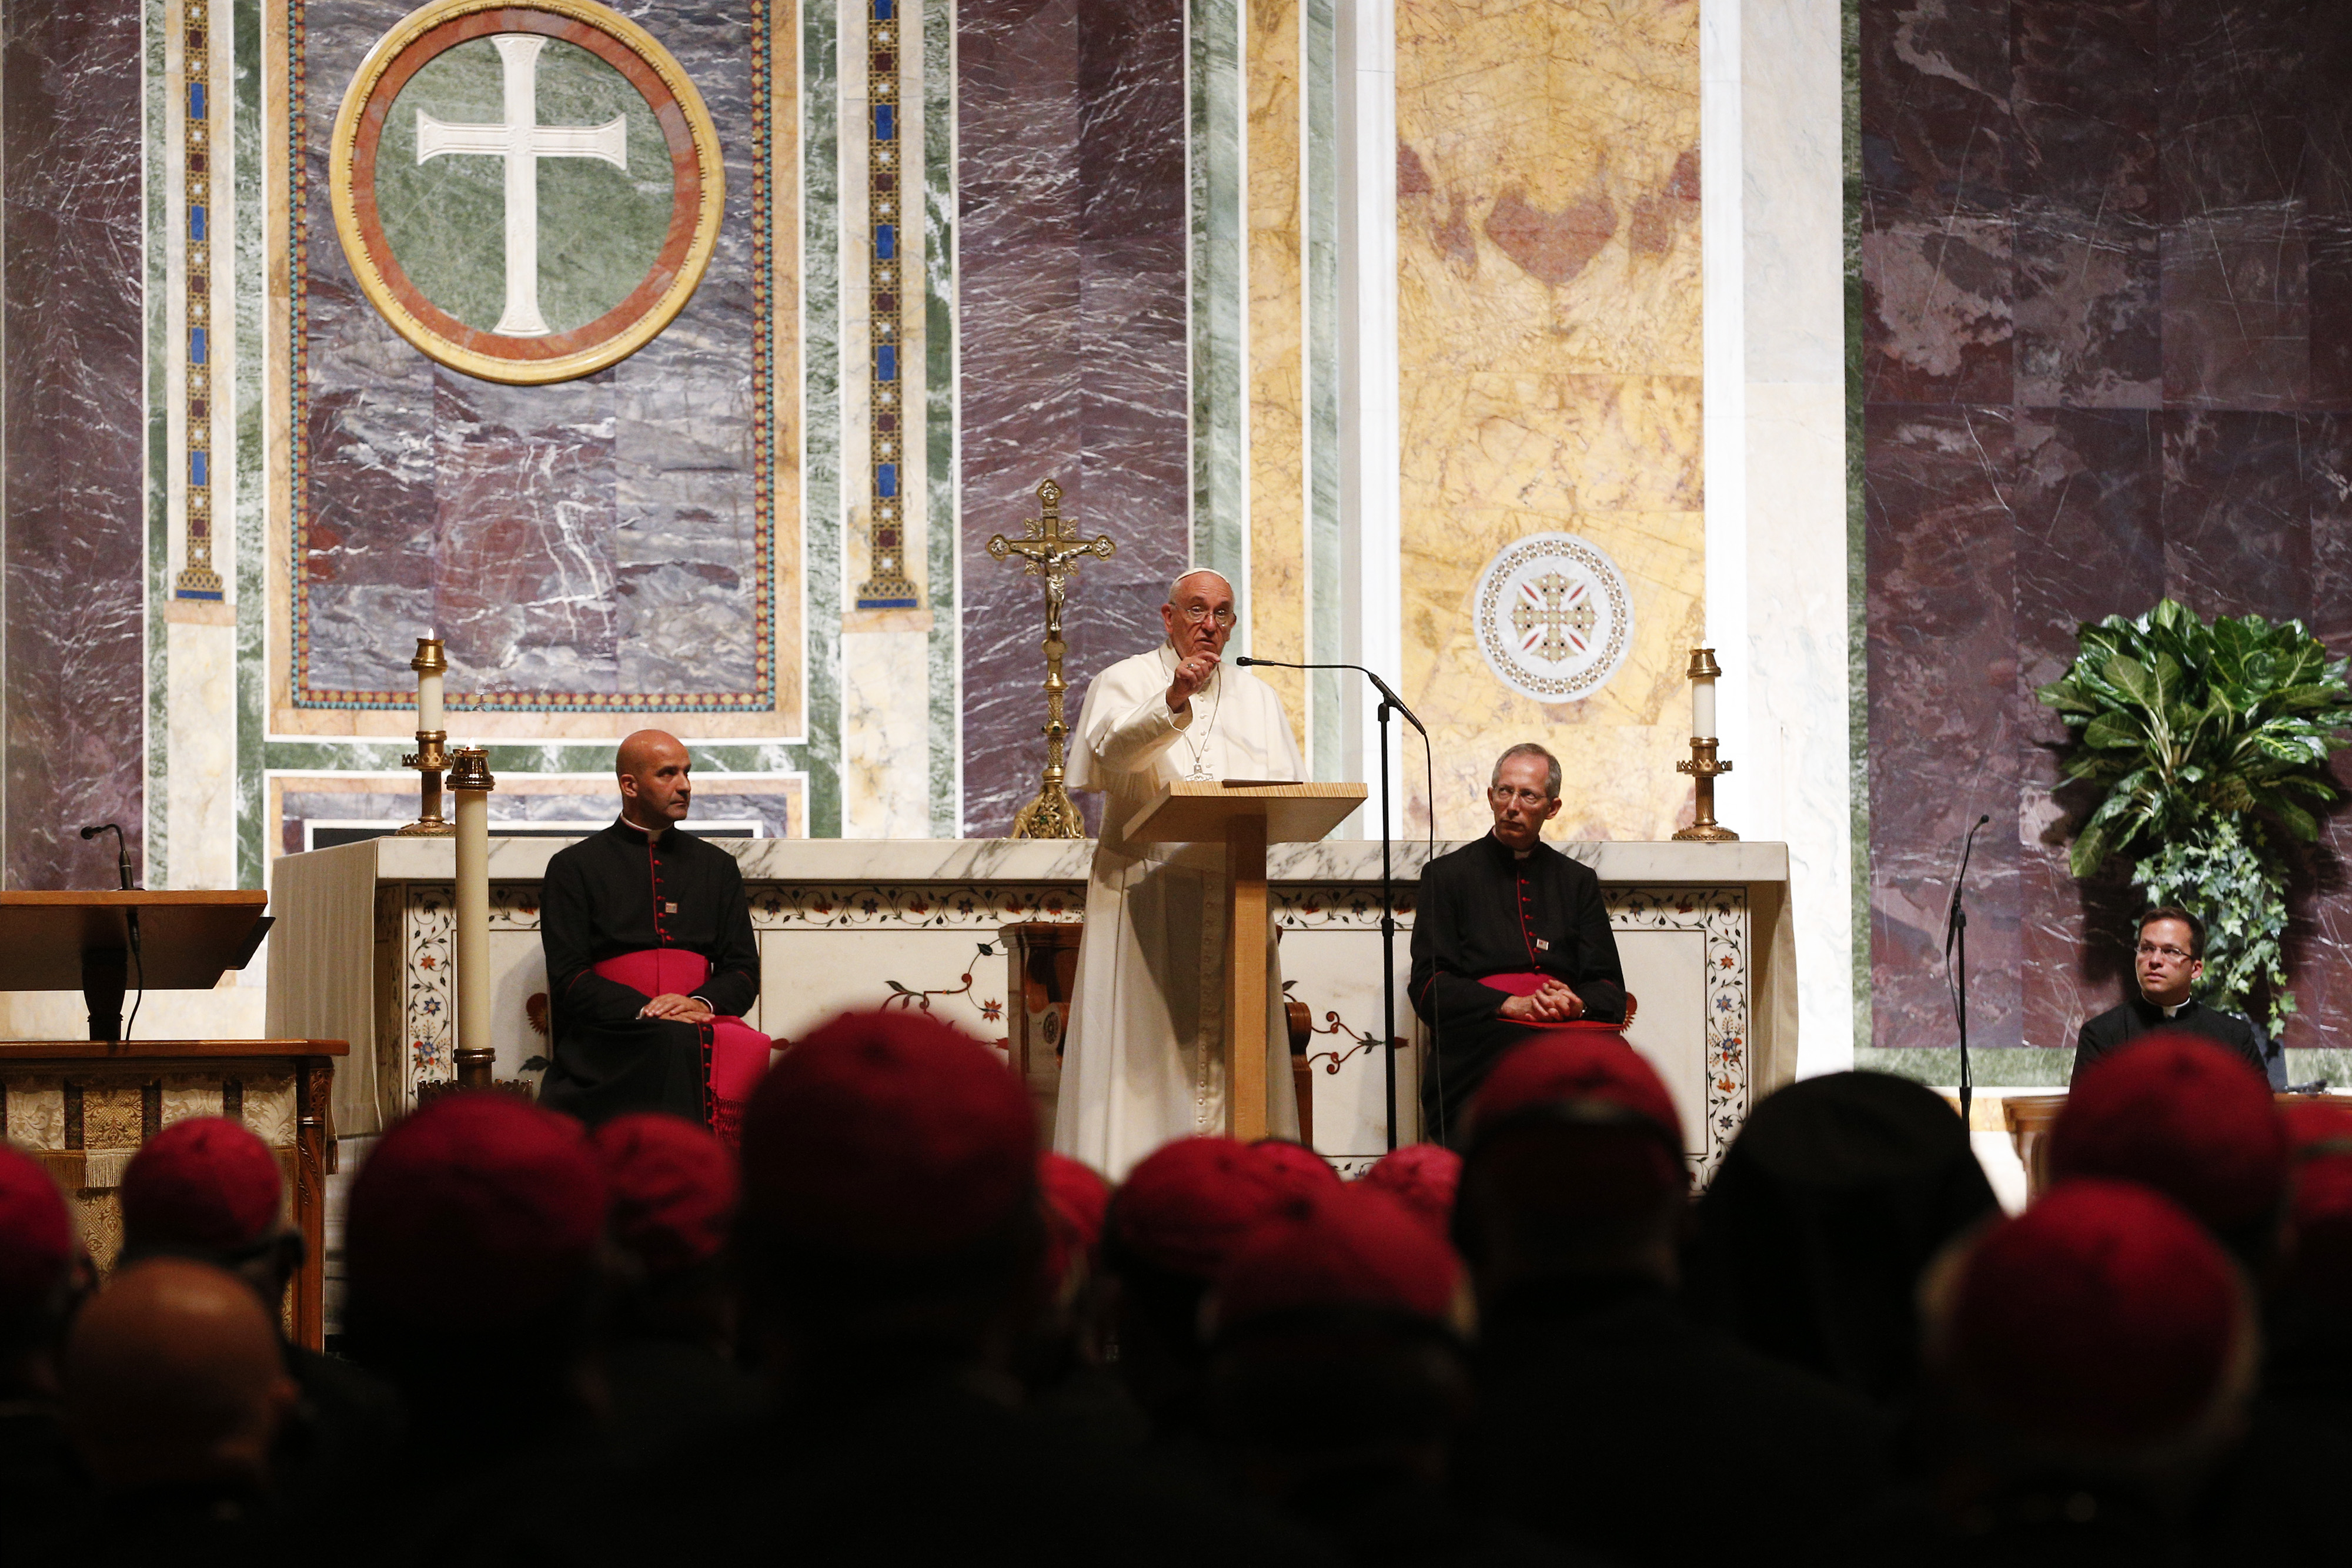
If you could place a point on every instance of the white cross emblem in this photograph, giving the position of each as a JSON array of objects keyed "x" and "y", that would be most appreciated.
[{"x": 523, "y": 142}]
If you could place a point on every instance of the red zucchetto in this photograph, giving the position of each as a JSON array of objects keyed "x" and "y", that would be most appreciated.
[
  {"x": 2179, "y": 1114},
  {"x": 1294, "y": 1165},
  {"x": 1188, "y": 1204},
  {"x": 1421, "y": 1176},
  {"x": 673, "y": 1186},
  {"x": 481, "y": 1209},
  {"x": 205, "y": 1184},
  {"x": 1595, "y": 1069},
  {"x": 1347, "y": 1248},
  {"x": 2102, "y": 1317},
  {"x": 37, "y": 1237},
  {"x": 891, "y": 1136},
  {"x": 1074, "y": 1197}
]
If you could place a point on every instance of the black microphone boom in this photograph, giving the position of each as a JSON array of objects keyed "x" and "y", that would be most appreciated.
[
  {"x": 1390, "y": 702},
  {"x": 1956, "y": 930},
  {"x": 1379, "y": 684}
]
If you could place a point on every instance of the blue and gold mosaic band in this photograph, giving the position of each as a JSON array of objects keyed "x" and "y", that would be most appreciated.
[
  {"x": 197, "y": 580},
  {"x": 888, "y": 586}
]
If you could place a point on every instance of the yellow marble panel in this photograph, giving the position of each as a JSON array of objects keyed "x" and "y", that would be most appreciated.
[
  {"x": 1550, "y": 338},
  {"x": 1277, "y": 314}
]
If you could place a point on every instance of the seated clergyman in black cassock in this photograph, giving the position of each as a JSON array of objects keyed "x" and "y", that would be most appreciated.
[
  {"x": 650, "y": 959},
  {"x": 2168, "y": 961},
  {"x": 1508, "y": 935}
]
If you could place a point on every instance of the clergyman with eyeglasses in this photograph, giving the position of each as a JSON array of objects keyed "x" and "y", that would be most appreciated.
[
  {"x": 2168, "y": 960},
  {"x": 1144, "y": 1059},
  {"x": 1509, "y": 935}
]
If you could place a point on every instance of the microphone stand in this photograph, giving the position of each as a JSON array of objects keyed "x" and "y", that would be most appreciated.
[
  {"x": 1956, "y": 932},
  {"x": 1390, "y": 702}
]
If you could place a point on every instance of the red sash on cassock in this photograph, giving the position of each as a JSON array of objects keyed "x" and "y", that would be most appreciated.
[{"x": 734, "y": 1054}]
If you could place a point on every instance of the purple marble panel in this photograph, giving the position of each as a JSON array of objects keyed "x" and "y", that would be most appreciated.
[
  {"x": 1943, "y": 676},
  {"x": 594, "y": 538},
  {"x": 2089, "y": 544},
  {"x": 75, "y": 553},
  {"x": 2228, "y": 96},
  {"x": 2327, "y": 464},
  {"x": 2237, "y": 514},
  {"x": 2327, "y": 240},
  {"x": 2087, "y": 313},
  {"x": 2319, "y": 931},
  {"x": 1936, "y": 118},
  {"x": 2236, "y": 309},
  {"x": 2083, "y": 91},
  {"x": 1937, "y": 311},
  {"x": 1072, "y": 271},
  {"x": 524, "y": 588}
]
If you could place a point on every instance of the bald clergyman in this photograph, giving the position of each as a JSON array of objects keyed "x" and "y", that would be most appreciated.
[
  {"x": 650, "y": 959},
  {"x": 1144, "y": 1059}
]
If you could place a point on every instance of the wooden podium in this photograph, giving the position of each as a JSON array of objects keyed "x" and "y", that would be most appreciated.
[
  {"x": 1244, "y": 817},
  {"x": 83, "y": 1107},
  {"x": 84, "y": 942}
]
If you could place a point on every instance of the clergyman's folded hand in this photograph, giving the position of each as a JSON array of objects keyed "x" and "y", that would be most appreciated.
[
  {"x": 1553, "y": 1004},
  {"x": 670, "y": 1005}
]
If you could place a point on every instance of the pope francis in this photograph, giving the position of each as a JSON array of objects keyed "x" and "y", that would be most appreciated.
[{"x": 1144, "y": 1059}]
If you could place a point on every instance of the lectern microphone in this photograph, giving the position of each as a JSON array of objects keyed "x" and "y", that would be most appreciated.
[
  {"x": 1389, "y": 702},
  {"x": 121, "y": 850}
]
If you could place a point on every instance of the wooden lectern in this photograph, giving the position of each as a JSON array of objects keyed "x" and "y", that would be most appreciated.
[
  {"x": 101, "y": 943},
  {"x": 84, "y": 1107},
  {"x": 1244, "y": 817}
]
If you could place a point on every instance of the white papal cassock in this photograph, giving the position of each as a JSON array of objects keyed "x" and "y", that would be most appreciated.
[{"x": 1144, "y": 1059}]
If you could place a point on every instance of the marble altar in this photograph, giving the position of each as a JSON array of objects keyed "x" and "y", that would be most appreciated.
[{"x": 363, "y": 952}]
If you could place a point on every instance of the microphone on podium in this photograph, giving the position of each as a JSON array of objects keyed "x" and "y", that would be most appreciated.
[
  {"x": 1389, "y": 702},
  {"x": 121, "y": 850}
]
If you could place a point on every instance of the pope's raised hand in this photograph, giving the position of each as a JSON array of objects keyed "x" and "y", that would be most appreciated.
[{"x": 1191, "y": 674}]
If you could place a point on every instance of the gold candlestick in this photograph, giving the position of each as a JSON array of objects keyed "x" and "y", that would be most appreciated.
[
  {"x": 1703, "y": 765},
  {"x": 1051, "y": 551},
  {"x": 429, "y": 760}
]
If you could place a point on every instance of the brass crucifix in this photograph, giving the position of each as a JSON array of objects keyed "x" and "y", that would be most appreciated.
[{"x": 1050, "y": 550}]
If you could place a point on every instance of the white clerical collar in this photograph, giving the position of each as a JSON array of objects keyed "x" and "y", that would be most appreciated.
[
  {"x": 2174, "y": 1011},
  {"x": 623, "y": 821}
]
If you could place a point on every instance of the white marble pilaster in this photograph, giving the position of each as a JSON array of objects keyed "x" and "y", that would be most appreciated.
[
  {"x": 1371, "y": 629},
  {"x": 1776, "y": 538}
]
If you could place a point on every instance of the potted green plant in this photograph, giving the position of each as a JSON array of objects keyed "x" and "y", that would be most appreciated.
[{"x": 2210, "y": 744}]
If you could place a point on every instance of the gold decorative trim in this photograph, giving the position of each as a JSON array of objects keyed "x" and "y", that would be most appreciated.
[{"x": 515, "y": 370}]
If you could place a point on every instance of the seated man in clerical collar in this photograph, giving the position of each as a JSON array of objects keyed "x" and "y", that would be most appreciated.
[
  {"x": 1508, "y": 935},
  {"x": 2166, "y": 964},
  {"x": 651, "y": 962}
]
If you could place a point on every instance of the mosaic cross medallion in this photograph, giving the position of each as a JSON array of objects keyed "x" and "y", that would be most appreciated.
[
  {"x": 1553, "y": 617},
  {"x": 526, "y": 193}
]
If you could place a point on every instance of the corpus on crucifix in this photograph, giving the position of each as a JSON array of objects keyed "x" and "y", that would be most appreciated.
[{"x": 1050, "y": 548}]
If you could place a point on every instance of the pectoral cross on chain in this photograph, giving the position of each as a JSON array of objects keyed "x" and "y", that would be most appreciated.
[{"x": 1050, "y": 548}]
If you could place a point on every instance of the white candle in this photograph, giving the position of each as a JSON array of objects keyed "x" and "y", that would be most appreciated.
[
  {"x": 428, "y": 698},
  {"x": 1703, "y": 709}
]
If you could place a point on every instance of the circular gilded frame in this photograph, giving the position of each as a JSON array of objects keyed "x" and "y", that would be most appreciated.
[{"x": 699, "y": 187}]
